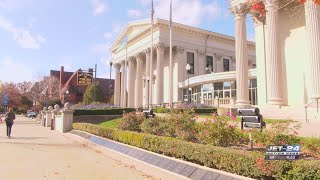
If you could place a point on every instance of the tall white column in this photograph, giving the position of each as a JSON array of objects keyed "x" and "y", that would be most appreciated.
[
  {"x": 181, "y": 70},
  {"x": 241, "y": 57},
  {"x": 202, "y": 64},
  {"x": 131, "y": 82},
  {"x": 273, "y": 60},
  {"x": 159, "y": 78},
  {"x": 117, "y": 85},
  {"x": 312, "y": 13},
  {"x": 123, "y": 93},
  {"x": 147, "y": 73},
  {"x": 138, "y": 84},
  {"x": 260, "y": 60}
]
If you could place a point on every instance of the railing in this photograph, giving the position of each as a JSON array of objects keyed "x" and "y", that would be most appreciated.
[
  {"x": 220, "y": 102},
  {"x": 306, "y": 107}
]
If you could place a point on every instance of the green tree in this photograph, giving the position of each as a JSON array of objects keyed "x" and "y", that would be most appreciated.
[{"x": 89, "y": 94}]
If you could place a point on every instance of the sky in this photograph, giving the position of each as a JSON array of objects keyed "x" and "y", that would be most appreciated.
[{"x": 37, "y": 36}]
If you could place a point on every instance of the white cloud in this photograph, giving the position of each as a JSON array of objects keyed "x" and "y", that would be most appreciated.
[
  {"x": 190, "y": 12},
  {"x": 133, "y": 13},
  {"x": 99, "y": 7},
  {"x": 23, "y": 36},
  {"x": 11, "y": 71}
]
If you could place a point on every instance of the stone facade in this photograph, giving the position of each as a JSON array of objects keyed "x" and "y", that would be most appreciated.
[{"x": 211, "y": 55}]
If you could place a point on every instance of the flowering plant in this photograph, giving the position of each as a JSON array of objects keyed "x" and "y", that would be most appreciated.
[
  {"x": 257, "y": 8},
  {"x": 303, "y": 1}
]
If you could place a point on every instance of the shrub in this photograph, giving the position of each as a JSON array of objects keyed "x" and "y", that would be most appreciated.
[
  {"x": 219, "y": 131},
  {"x": 205, "y": 110},
  {"x": 93, "y": 105},
  {"x": 311, "y": 146},
  {"x": 183, "y": 120},
  {"x": 279, "y": 133},
  {"x": 115, "y": 111},
  {"x": 161, "y": 110},
  {"x": 246, "y": 163},
  {"x": 131, "y": 121},
  {"x": 158, "y": 126}
]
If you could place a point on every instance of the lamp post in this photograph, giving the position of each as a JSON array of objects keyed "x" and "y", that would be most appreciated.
[
  {"x": 188, "y": 67},
  {"x": 109, "y": 94},
  {"x": 67, "y": 95}
]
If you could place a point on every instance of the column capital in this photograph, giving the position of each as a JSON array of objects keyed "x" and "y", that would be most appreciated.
[
  {"x": 270, "y": 3},
  {"x": 200, "y": 53},
  {"x": 131, "y": 59},
  {"x": 218, "y": 56},
  {"x": 179, "y": 49},
  {"x": 139, "y": 56},
  {"x": 240, "y": 11},
  {"x": 160, "y": 46},
  {"x": 147, "y": 51},
  {"x": 117, "y": 66}
]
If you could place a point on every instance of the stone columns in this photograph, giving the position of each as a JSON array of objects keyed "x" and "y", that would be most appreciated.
[
  {"x": 260, "y": 61},
  {"x": 181, "y": 71},
  {"x": 138, "y": 84},
  {"x": 312, "y": 13},
  {"x": 48, "y": 117},
  {"x": 159, "y": 78},
  {"x": 241, "y": 56},
  {"x": 131, "y": 82},
  {"x": 147, "y": 73},
  {"x": 123, "y": 93},
  {"x": 117, "y": 85},
  {"x": 202, "y": 63},
  {"x": 275, "y": 94}
]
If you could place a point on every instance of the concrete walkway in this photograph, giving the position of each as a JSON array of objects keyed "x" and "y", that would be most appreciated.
[{"x": 35, "y": 152}]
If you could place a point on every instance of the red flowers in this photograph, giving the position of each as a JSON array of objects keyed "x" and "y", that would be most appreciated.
[
  {"x": 258, "y": 8},
  {"x": 303, "y": 1},
  {"x": 295, "y": 132}
]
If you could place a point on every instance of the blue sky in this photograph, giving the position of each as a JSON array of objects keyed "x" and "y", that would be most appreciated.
[{"x": 39, "y": 35}]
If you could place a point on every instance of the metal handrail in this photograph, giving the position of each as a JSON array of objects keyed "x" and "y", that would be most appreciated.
[{"x": 306, "y": 107}]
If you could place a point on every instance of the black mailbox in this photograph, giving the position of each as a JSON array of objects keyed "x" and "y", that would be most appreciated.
[
  {"x": 251, "y": 118},
  {"x": 148, "y": 113}
]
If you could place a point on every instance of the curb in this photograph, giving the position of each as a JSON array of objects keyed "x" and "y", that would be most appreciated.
[{"x": 123, "y": 153}]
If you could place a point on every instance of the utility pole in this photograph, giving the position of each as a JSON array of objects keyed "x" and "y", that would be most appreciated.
[{"x": 95, "y": 79}]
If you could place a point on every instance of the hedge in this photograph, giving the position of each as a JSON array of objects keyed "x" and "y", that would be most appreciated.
[
  {"x": 205, "y": 110},
  {"x": 245, "y": 163},
  {"x": 161, "y": 110},
  {"x": 114, "y": 111}
]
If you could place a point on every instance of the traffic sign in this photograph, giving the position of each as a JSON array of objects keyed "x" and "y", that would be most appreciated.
[{"x": 6, "y": 100}]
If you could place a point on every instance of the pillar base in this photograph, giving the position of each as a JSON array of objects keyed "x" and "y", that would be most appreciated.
[
  {"x": 276, "y": 102},
  {"x": 243, "y": 103}
]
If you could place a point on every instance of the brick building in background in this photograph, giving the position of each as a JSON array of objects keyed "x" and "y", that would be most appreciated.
[{"x": 76, "y": 92}]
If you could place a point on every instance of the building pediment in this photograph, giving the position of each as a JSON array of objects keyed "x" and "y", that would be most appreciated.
[{"x": 131, "y": 30}]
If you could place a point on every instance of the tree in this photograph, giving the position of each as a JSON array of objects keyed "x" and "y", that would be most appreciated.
[
  {"x": 89, "y": 94},
  {"x": 45, "y": 90},
  {"x": 11, "y": 89},
  {"x": 26, "y": 104}
]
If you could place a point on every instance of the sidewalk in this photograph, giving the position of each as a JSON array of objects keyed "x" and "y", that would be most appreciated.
[{"x": 36, "y": 152}]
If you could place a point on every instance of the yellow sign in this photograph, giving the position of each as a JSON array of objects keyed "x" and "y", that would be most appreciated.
[{"x": 84, "y": 78}]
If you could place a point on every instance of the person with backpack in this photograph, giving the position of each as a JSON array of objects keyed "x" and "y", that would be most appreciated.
[{"x": 10, "y": 116}]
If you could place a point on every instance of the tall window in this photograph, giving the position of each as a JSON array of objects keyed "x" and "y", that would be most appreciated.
[
  {"x": 226, "y": 65},
  {"x": 190, "y": 61},
  {"x": 254, "y": 66},
  {"x": 209, "y": 63}
]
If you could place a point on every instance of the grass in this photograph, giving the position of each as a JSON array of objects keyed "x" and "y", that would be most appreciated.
[
  {"x": 268, "y": 121},
  {"x": 110, "y": 123}
]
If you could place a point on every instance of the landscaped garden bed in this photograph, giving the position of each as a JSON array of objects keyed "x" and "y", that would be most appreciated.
[{"x": 216, "y": 143}]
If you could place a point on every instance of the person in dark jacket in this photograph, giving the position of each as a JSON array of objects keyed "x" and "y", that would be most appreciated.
[{"x": 10, "y": 116}]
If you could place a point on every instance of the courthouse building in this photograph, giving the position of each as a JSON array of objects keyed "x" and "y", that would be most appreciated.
[
  {"x": 280, "y": 72},
  {"x": 211, "y": 57}
]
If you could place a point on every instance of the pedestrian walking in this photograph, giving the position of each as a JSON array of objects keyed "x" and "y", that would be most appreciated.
[{"x": 9, "y": 118}]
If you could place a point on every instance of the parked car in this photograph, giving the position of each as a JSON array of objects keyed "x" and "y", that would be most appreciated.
[{"x": 31, "y": 114}]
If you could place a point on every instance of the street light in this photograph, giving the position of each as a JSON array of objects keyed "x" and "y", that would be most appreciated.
[
  {"x": 109, "y": 94},
  {"x": 188, "y": 67},
  {"x": 67, "y": 95}
]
